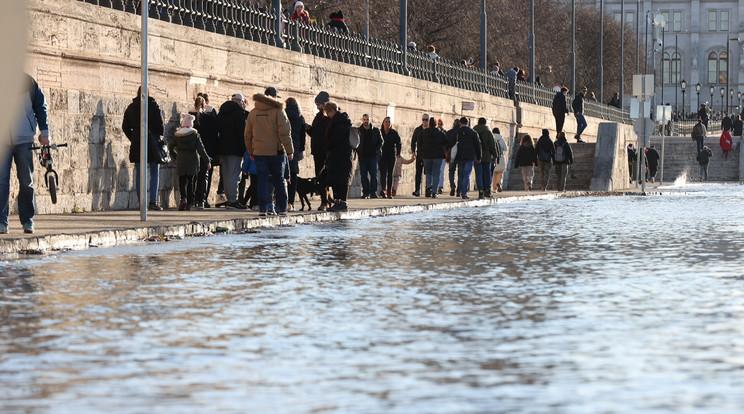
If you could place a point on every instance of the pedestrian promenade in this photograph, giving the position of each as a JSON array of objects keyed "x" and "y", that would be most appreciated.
[{"x": 107, "y": 229}]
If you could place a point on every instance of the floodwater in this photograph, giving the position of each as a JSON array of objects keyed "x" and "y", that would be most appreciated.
[{"x": 598, "y": 305}]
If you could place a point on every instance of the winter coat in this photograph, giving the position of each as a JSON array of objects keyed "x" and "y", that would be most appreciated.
[
  {"x": 652, "y": 158},
  {"x": 208, "y": 128},
  {"x": 562, "y": 153},
  {"x": 131, "y": 127},
  {"x": 615, "y": 101},
  {"x": 704, "y": 156},
  {"x": 319, "y": 133},
  {"x": 726, "y": 142},
  {"x": 526, "y": 156},
  {"x": 231, "y": 126},
  {"x": 632, "y": 155},
  {"x": 391, "y": 144},
  {"x": 468, "y": 145},
  {"x": 578, "y": 104},
  {"x": 500, "y": 163},
  {"x": 560, "y": 106},
  {"x": 545, "y": 149},
  {"x": 727, "y": 124},
  {"x": 338, "y": 163},
  {"x": 188, "y": 150},
  {"x": 489, "y": 152},
  {"x": 699, "y": 131},
  {"x": 433, "y": 144},
  {"x": 267, "y": 131},
  {"x": 399, "y": 163},
  {"x": 370, "y": 142},
  {"x": 339, "y": 25},
  {"x": 418, "y": 135},
  {"x": 703, "y": 115},
  {"x": 34, "y": 115},
  {"x": 297, "y": 124},
  {"x": 738, "y": 127}
]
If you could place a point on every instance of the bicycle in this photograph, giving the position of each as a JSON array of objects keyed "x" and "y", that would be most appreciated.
[{"x": 50, "y": 177}]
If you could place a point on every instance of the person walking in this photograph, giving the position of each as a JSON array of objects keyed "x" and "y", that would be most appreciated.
[
  {"x": 418, "y": 135},
  {"x": 738, "y": 127},
  {"x": 484, "y": 169},
  {"x": 205, "y": 123},
  {"x": 468, "y": 155},
  {"x": 562, "y": 159},
  {"x": 338, "y": 23},
  {"x": 297, "y": 124},
  {"x": 231, "y": 120},
  {"x": 188, "y": 151},
  {"x": 440, "y": 190},
  {"x": 391, "y": 148},
  {"x": 652, "y": 162},
  {"x": 578, "y": 108},
  {"x": 703, "y": 116},
  {"x": 502, "y": 158},
  {"x": 526, "y": 160},
  {"x": 268, "y": 139},
  {"x": 703, "y": 159},
  {"x": 511, "y": 81},
  {"x": 451, "y": 142},
  {"x": 339, "y": 160},
  {"x": 300, "y": 14},
  {"x": 369, "y": 152},
  {"x": 632, "y": 162},
  {"x": 32, "y": 119},
  {"x": 560, "y": 108},
  {"x": 131, "y": 128},
  {"x": 545, "y": 153},
  {"x": 615, "y": 101},
  {"x": 726, "y": 143},
  {"x": 318, "y": 146},
  {"x": 727, "y": 124},
  {"x": 699, "y": 132},
  {"x": 431, "y": 148}
]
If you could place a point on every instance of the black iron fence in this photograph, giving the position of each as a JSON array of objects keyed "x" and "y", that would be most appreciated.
[{"x": 245, "y": 20}]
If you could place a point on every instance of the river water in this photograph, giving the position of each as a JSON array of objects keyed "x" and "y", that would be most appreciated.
[{"x": 598, "y": 305}]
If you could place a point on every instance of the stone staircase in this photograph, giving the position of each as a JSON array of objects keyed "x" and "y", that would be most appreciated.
[
  {"x": 680, "y": 155},
  {"x": 583, "y": 168}
]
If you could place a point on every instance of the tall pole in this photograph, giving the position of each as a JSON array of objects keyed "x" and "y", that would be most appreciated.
[
  {"x": 663, "y": 31},
  {"x": 404, "y": 33},
  {"x": 645, "y": 47},
  {"x": 675, "y": 81},
  {"x": 277, "y": 9},
  {"x": 622, "y": 51},
  {"x": 638, "y": 36},
  {"x": 601, "y": 50},
  {"x": 573, "y": 47},
  {"x": 728, "y": 66},
  {"x": 532, "y": 41},
  {"x": 366, "y": 23},
  {"x": 144, "y": 94},
  {"x": 484, "y": 38}
]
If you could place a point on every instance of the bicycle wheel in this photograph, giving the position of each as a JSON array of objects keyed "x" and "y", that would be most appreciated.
[{"x": 52, "y": 183}]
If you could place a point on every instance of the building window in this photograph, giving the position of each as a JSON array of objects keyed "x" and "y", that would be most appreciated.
[
  {"x": 717, "y": 68},
  {"x": 712, "y": 20},
  {"x": 677, "y": 21},
  {"x": 629, "y": 18},
  {"x": 718, "y": 20},
  {"x": 671, "y": 67},
  {"x": 723, "y": 21},
  {"x": 616, "y": 16}
]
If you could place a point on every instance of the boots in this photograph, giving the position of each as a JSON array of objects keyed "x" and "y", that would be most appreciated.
[
  {"x": 184, "y": 205},
  {"x": 480, "y": 195}
]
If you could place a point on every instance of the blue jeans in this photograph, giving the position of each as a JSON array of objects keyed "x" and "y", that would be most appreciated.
[
  {"x": 154, "y": 171},
  {"x": 580, "y": 124},
  {"x": 271, "y": 168},
  {"x": 465, "y": 168},
  {"x": 433, "y": 171},
  {"x": 368, "y": 171},
  {"x": 24, "y": 161},
  {"x": 484, "y": 175}
]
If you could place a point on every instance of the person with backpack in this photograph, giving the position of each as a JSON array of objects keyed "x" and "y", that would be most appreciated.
[
  {"x": 432, "y": 148},
  {"x": 545, "y": 152},
  {"x": 562, "y": 159},
  {"x": 484, "y": 169},
  {"x": 699, "y": 132},
  {"x": 469, "y": 152},
  {"x": 703, "y": 159},
  {"x": 652, "y": 163},
  {"x": 369, "y": 152},
  {"x": 560, "y": 108},
  {"x": 339, "y": 162},
  {"x": 578, "y": 108},
  {"x": 502, "y": 158},
  {"x": 526, "y": 160}
]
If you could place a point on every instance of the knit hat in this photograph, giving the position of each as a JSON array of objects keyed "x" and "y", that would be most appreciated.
[
  {"x": 298, "y": 4},
  {"x": 187, "y": 121},
  {"x": 322, "y": 98}
]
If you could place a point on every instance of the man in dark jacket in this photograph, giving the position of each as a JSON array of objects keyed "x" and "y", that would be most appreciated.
[
  {"x": 131, "y": 127},
  {"x": 578, "y": 108},
  {"x": 369, "y": 152},
  {"x": 468, "y": 154},
  {"x": 632, "y": 162},
  {"x": 338, "y": 164},
  {"x": 703, "y": 115},
  {"x": 545, "y": 152},
  {"x": 231, "y": 148},
  {"x": 451, "y": 141},
  {"x": 615, "y": 101},
  {"x": 418, "y": 135},
  {"x": 318, "y": 145},
  {"x": 738, "y": 126},
  {"x": 297, "y": 122},
  {"x": 652, "y": 163},
  {"x": 484, "y": 169},
  {"x": 560, "y": 108},
  {"x": 703, "y": 158},
  {"x": 699, "y": 132},
  {"x": 206, "y": 124}
]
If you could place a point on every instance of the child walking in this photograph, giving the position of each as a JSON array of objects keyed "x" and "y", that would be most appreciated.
[
  {"x": 187, "y": 149},
  {"x": 398, "y": 171}
]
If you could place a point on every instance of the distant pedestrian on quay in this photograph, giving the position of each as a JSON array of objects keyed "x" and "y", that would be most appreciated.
[
  {"x": 502, "y": 159},
  {"x": 738, "y": 127},
  {"x": 615, "y": 101},
  {"x": 32, "y": 118},
  {"x": 632, "y": 162},
  {"x": 545, "y": 155},
  {"x": 496, "y": 70},
  {"x": 268, "y": 139},
  {"x": 131, "y": 128},
  {"x": 727, "y": 124},
  {"x": 703, "y": 159},
  {"x": 338, "y": 23},
  {"x": 299, "y": 134},
  {"x": 432, "y": 148},
  {"x": 726, "y": 142},
  {"x": 318, "y": 146},
  {"x": 206, "y": 124},
  {"x": 652, "y": 163},
  {"x": 562, "y": 160},
  {"x": 188, "y": 151},
  {"x": 703, "y": 116},
  {"x": 526, "y": 160},
  {"x": 431, "y": 52},
  {"x": 339, "y": 160},
  {"x": 468, "y": 155},
  {"x": 369, "y": 153},
  {"x": 418, "y": 135},
  {"x": 231, "y": 120},
  {"x": 578, "y": 108},
  {"x": 300, "y": 14},
  {"x": 489, "y": 153},
  {"x": 699, "y": 132},
  {"x": 391, "y": 148},
  {"x": 511, "y": 81},
  {"x": 451, "y": 142},
  {"x": 560, "y": 108}
]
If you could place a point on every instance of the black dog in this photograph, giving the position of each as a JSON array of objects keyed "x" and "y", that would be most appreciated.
[{"x": 305, "y": 187}]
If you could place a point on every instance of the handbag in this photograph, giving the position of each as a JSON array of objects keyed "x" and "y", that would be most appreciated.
[{"x": 159, "y": 150}]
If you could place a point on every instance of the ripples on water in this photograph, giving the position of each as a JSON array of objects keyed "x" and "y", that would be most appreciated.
[{"x": 583, "y": 305}]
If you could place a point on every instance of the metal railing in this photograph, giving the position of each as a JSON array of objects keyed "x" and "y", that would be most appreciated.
[{"x": 245, "y": 20}]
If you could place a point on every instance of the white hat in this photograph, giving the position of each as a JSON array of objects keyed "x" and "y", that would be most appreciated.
[
  {"x": 238, "y": 96},
  {"x": 298, "y": 4}
]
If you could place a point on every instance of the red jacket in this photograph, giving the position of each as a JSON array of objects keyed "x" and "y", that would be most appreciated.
[{"x": 727, "y": 144}]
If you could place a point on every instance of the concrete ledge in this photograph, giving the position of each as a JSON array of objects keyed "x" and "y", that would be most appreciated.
[{"x": 109, "y": 237}]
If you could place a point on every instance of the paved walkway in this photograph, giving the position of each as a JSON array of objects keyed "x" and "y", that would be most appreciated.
[{"x": 102, "y": 229}]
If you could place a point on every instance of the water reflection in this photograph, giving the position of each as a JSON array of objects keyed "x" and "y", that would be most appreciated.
[{"x": 586, "y": 305}]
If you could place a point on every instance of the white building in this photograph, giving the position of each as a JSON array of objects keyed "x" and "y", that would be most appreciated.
[{"x": 695, "y": 47}]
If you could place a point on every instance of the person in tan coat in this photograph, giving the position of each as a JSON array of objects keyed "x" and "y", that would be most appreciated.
[{"x": 269, "y": 142}]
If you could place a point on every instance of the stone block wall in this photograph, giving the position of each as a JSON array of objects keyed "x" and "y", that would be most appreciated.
[{"x": 86, "y": 59}]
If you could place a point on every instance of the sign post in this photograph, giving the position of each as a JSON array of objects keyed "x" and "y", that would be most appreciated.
[{"x": 144, "y": 109}]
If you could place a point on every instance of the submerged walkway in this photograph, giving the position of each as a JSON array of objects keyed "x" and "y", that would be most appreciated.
[{"x": 107, "y": 229}]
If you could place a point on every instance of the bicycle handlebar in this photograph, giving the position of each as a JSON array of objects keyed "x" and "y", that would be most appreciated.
[{"x": 53, "y": 146}]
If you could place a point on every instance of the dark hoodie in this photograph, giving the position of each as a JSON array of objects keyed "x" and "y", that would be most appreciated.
[
  {"x": 231, "y": 122},
  {"x": 338, "y": 23},
  {"x": 318, "y": 133},
  {"x": 545, "y": 148},
  {"x": 338, "y": 163},
  {"x": 208, "y": 128},
  {"x": 562, "y": 153},
  {"x": 297, "y": 122},
  {"x": 131, "y": 127}
]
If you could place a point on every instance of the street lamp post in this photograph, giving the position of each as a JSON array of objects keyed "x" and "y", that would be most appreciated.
[
  {"x": 738, "y": 95},
  {"x": 622, "y": 51},
  {"x": 697, "y": 90},
  {"x": 403, "y": 28},
  {"x": 731, "y": 100},
  {"x": 532, "y": 41},
  {"x": 573, "y": 47},
  {"x": 723, "y": 95},
  {"x": 601, "y": 50},
  {"x": 484, "y": 39},
  {"x": 712, "y": 91},
  {"x": 683, "y": 86}
]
